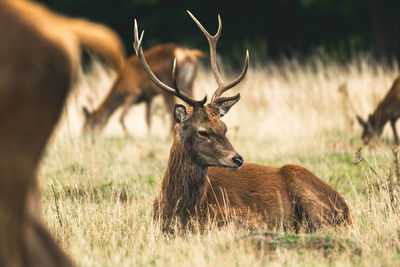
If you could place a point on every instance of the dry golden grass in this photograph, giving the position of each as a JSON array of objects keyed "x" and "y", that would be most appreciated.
[{"x": 104, "y": 185}]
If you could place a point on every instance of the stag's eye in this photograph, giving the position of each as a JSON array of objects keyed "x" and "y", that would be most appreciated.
[{"x": 204, "y": 133}]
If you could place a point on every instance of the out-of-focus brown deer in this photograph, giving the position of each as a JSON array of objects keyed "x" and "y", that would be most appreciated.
[
  {"x": 132, "y": 85},
  {"x": 39, "y": 56},
  {"x": 388, "y": 110},
  {"x": 206, "y": 176}
]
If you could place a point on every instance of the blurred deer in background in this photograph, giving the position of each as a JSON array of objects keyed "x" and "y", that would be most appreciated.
[
  {"x": 206, "y": 176},
  {"x": 39, "y": 56},
  {"x": 133, "y": 86},
  {"x": 388, "y": 110}
]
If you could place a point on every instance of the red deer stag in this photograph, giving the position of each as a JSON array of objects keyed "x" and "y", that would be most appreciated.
[
  {"x": 203, "y": 171},
  {"x": 387, "y": 110},
  {"x": 132, "y": 85},
  {"x": 39, "y": 55}
]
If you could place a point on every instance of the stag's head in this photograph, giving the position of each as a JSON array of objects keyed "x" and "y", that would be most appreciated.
[
  {"x": 199, "y": 126},
  {"x": 369, "y": 135}
]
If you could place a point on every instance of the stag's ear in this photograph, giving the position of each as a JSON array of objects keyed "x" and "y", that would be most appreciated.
[
  {"x": 362, "y": 122},
  {"x": 86, "y": 113},
  {"x": 180, "y": 113},
  {"x": 225, "y": 103}
]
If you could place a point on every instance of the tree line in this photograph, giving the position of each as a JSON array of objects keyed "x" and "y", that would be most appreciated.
[{"x": 270, "y": 28}]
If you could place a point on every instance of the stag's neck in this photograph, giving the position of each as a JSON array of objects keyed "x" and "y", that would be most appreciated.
[
  {"x": 379, "y": 119},
  {"x": 387, "y": 108},
  {"x": 107, "y": 107},
  {"x": 183, "y": 185}
]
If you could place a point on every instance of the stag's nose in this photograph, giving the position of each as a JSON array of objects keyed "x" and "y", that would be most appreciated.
[{"x": 238, "y": 160}]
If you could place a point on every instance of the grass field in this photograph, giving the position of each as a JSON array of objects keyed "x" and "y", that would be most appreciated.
[{"x": 98, "y": 191}]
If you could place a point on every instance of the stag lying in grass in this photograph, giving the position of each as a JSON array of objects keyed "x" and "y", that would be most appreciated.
[
  {"x": 132, "y": 85},
  {"x": 39, "y": 55},
  {"x": 388, "y": 110},
  {"x": 206, "y": 177}
]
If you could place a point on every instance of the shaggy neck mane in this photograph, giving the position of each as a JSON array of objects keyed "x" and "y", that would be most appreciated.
[{"x": 183, "y": 185}]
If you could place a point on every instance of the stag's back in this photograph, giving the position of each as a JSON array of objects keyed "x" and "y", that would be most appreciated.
[{"x": 273, "y": 195}]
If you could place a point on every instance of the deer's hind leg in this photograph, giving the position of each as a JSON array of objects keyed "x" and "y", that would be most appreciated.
[
  {"x": 310, "y": 211},
  {"x": 316, "y": 211},
  {"x": 315, "y": 202},
  {"x": 320, "y": 209}
]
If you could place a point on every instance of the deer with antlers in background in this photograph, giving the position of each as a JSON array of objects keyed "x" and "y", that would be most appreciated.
[
  {"x": 132, "y": 85},
  {"x": 387, "y": 110},
  {"x": 39, "y": 56},
  {"x": 206, "y": 177}
]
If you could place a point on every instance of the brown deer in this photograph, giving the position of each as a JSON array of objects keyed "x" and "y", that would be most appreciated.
[
  {"x": 388, "y": 110},
  {"x": 132, "y": 85},
  {"x": 206, "y": 176},
  {"x": 39, "y": 56}
]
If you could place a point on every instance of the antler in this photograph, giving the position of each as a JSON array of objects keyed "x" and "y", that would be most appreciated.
[
  {"x": 137, "y": 45},
  {"x": 212, "y": 41}
]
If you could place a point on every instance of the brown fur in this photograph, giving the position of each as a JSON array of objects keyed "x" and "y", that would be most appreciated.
[
  {"x": 133, "y": 86},
  {"x": 387, "y": 110},
  {"x": 289, "y": 196},
  {"x": 39, "y": 54}
]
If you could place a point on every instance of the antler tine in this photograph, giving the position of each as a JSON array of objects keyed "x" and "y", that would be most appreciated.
[
  {"x": 182, "y": 95},
  {"x": 209, "y": 36},
  {"x": 137, "y": 45},
  {"x": 226, "y": 87},
  {"x": 212, "y": 41}
]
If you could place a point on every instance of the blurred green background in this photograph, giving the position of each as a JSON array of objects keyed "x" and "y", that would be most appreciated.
[{"x": 271, "y": 29}]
